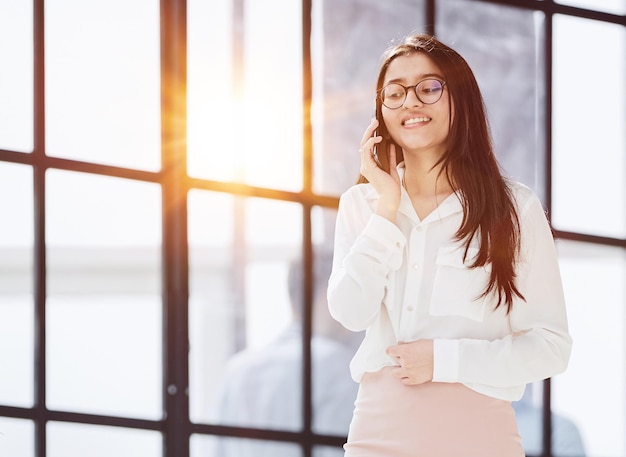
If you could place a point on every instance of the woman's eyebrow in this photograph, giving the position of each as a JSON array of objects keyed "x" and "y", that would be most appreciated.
[{"x": 419, "y": 78}]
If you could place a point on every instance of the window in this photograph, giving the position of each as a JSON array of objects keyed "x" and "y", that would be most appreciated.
[{"x": 169, "y": 174}]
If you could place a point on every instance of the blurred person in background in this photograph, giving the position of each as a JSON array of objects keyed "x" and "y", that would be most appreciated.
[
  {"x": 262, "y": 388},
  {"x": 566, "y": 438}
]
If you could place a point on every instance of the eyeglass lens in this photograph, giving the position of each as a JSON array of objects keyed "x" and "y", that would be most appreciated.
[{"x": 428, "y": 91}]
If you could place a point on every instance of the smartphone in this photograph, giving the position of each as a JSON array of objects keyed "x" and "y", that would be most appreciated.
[{"x": 375, "y": 149}]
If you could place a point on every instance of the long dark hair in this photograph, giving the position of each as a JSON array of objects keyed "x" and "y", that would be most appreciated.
[{"x": 469, "y": 163}]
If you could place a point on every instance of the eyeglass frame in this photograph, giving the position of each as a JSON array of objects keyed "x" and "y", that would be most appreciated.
[{"x": 406, "y": 92}]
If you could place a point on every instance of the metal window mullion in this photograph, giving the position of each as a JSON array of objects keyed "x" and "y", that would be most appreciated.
[
  {"x": 547, "y": 392},
  {"x": 307, "y": 97},
  {"x": 307, "y": 332},
  {"x": 430, "y": 13},
  {"x": 39, "y": 220},
  {"x": 175, "y": 269},
  {"x": 307, "y": 243}
]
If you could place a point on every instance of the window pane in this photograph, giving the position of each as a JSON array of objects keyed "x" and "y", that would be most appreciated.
[
  {"x": 345, "y": 67},
  {"x": 209, "y": 446},
  {"x": 215, "y": 299},
  {"x": 505, "y": 54},
  {"x": 16, "y": 79},
  {"x": 16, "y": 349},
  {"x": 328, "y": 451},
  {"x": 245, "y": 349},
  {"x": 16, "y": 207},
  {"x": 608, "y": 6},
  {"x": 271, "y": 106},
  {"x": 210, "y": 89},
  {"x": 593, "y": 278},
  {"x": 103, "y": 82},
  {"x": 104, "y": 297},
  {"x": 17, "y": 437},
  {"x": 78, "y": 440},
  {"x": 332, "y": 346},
  {"x": 16, "y": 285},
  {"x": 251, "y": 133},
  {"x": 567, "y": 439},
  {"x": 589, "y": 139}
]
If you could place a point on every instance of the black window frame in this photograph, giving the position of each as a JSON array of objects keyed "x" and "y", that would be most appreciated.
[{"x": 176, "y": 426}]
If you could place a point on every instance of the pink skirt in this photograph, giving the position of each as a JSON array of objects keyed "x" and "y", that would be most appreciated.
[{"x": 429, "y": 420}]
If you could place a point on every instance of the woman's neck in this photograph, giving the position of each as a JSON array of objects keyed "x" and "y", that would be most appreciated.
[
  {"x": 426, "y": 185},
  {"x": 422, "y": 178}
]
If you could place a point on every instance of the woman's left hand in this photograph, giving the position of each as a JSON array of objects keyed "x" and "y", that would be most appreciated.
[{"x": 415, "y": 360}]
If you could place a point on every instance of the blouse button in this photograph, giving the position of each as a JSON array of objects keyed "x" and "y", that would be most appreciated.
[
  {"x": 415, "y": 266},
  {"x": 409, "y": 308}
]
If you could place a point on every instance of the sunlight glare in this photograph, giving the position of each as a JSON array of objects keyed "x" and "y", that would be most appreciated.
[{"x": 245, "y": 110}]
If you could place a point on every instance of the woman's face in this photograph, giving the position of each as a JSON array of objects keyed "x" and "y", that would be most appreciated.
[{"x": 415, "y": 126}]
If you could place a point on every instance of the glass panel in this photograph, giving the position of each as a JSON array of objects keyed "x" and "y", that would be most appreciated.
[
  {"x": 505, "y": 54},
  {"x": 16, "y": 285},
  {"x": 16, "y": 78},
  {"x": 78, "y": 440},
  {"x": 16, "y": 207},
  {"x": 528, "y": 412},
  {"x": 16, "y": 348},
  {"x": 245, "y": 351},
  {"x": 593, "y": 278},
  {"x": 208, "y": 446},
  {"x": 333, "y": 346},
  {"x": 233, "y": 130},
  {"x": 567, "y": 438},
  {"x": 345, "y": 67},
  {"x": 104, "y": 301},
  {"x": 328, "y": 451},
  {"x": 608, "y": 6},
  {"x": 271, "y": 103},
  {"x": 17, "y": 437},
  {"x": 210, "y": 106},
  {"x": 215, "y": 295},
  {"x": 589, "y": 139},
  {"x": 103, "y": 82}
]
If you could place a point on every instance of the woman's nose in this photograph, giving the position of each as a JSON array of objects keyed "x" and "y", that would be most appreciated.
[{"x": 411, "y": 98}]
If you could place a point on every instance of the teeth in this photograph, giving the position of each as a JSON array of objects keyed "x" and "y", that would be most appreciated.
[{"x": 416, "y": 120}]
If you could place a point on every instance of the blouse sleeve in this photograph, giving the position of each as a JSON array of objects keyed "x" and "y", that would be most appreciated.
[
  {"x": 367, "y": 248},
  {"x": 539, "y": 344}
]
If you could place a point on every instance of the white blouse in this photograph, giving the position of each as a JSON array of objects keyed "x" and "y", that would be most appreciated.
[{"x": 406, "y": 281}]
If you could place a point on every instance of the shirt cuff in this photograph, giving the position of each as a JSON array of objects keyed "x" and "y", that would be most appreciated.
[{"x": 446, "y": 361}]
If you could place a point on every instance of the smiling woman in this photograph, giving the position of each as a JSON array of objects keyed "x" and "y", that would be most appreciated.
[
  {"x": 131, "y": 302},
  {"x": 245, "y": 128}
]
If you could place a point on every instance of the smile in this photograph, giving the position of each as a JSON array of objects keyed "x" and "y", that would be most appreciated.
[{"x": 416, "y": 120}]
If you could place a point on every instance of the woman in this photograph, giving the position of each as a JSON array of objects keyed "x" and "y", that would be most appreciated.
[{"x": 450, "y": 268}]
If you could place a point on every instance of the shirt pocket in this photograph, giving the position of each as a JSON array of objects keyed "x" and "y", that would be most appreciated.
[{"x": 457, "y": 288}]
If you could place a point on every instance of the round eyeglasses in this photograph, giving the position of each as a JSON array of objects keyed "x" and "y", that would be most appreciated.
[{"x": 427, "y": 91}]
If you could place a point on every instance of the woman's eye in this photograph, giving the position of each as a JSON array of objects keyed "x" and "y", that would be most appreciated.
[
  {"x": 431, "y": 88},
  {"x": 393, "y": 92}
]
